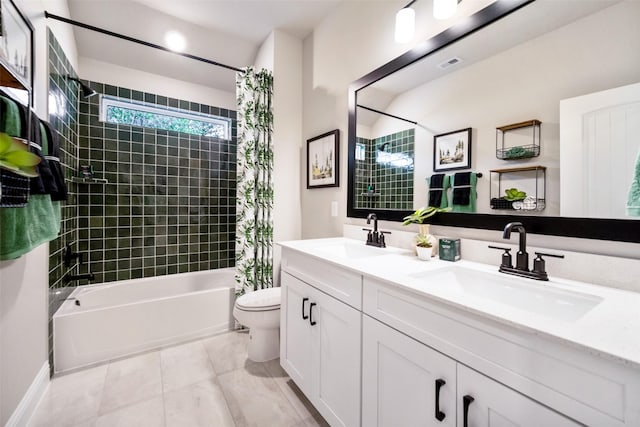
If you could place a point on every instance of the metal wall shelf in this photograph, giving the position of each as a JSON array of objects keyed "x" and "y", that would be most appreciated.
[
  {"x": 516, "y": 152},
  {"x": 536, "y": 202}
]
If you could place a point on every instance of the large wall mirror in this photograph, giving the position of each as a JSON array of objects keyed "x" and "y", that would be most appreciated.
[{"x": 542, "y": 97}]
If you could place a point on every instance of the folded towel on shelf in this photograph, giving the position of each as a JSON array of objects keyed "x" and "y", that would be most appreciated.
[
  {"x": 21, "y": 230},
  {"x": 633, "y": 200},
  {"x": 51, "y": 148},
  {"x": 438, "y": 185},
  {"x": 464, "y": 192}
]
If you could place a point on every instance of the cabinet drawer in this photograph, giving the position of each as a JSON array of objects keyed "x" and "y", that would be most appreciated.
[
  {"x": 340, "y": 283},
  {"x": 587, "y": 388}
]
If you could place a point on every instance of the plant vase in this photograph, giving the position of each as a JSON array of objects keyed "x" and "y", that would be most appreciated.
[
  {"x": 424, "y": 253},
  {"x": 423, "y": 230}
]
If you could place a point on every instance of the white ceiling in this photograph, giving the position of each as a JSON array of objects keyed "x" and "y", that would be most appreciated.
[
  {"x": 532, "y": 21},
  {"x": 225, "y": 31}
]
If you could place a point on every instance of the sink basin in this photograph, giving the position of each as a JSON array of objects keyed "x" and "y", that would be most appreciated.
[
  {"x": 527, "y": 295},
  {"x": 353, "y": 250}
]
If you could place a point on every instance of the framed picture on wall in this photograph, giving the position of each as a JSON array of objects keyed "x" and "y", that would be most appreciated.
[
  {"x": 452, "y": 150},
  {"x": 322, "y": 160},
  {"x": 15, "y": 43}
]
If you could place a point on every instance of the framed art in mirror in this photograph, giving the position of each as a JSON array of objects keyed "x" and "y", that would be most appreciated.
[
  {"x": 452, "y": 150},
  {"x": 322, "y": 160}
]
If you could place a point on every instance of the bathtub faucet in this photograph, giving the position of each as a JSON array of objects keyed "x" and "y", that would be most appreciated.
[
  {"x": 69, "y": 256},
  {"x": 75, "y": 277}
]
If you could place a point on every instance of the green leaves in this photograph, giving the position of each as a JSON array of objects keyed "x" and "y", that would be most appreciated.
[
  {"x": 420, "y": 215},
  {"x": 513, "y": 194},
  {"x": 15, "y": 157}
]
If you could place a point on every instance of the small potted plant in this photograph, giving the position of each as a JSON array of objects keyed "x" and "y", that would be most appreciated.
[
  {"x": 424, "y": 247},
  {"x": 419, "y": 217}
]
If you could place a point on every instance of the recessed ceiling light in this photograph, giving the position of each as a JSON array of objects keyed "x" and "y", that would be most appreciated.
[{"x": 175, "y": 41}]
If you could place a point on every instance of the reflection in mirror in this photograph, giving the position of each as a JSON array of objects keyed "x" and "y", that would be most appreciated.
[{"x": 501, "y": 86}]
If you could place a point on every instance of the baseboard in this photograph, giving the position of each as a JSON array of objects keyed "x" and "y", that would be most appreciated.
[{"x": 27, "y": 406}]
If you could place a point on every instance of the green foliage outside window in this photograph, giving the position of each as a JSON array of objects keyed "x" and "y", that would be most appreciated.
[{"x": 132, "y": 117}]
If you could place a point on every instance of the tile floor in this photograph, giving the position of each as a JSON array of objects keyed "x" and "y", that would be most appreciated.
[{"x": 201, "y": 383}]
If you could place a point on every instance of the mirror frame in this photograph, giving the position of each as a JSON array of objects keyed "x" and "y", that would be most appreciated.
[{"x": 622, "y": 230}]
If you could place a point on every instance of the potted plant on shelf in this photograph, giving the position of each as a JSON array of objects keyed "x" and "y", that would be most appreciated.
[{"x": 419, "y": 217}]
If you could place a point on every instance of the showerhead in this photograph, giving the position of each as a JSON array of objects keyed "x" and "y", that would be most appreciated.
[{"x": 84, "y": 89}]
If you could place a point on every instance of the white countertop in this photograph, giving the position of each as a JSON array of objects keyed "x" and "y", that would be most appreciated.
[{"x": 610, "y": 329}]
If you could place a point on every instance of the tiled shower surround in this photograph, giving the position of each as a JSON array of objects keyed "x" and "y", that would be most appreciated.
[
  {"x": 64, "y": 95},
  {"x": 169, "y": 202},
  {"x": 388, "y": 169}
]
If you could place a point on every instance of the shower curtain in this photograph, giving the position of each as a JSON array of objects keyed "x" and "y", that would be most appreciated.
[{"x": 254, "y": 200}]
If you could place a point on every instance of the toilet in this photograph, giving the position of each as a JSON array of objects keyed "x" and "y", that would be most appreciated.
[{"x": 260, "y": 312}]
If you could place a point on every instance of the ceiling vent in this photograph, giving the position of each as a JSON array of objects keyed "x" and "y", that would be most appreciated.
[{"x": 449, "y": 62}]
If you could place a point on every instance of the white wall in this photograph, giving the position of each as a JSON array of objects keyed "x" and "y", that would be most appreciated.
[
  {"x": 24, "y": 282},
  {"x": 354, "y": 40},
  {"x": 104, "y": 72},
  {"x": 282, "y": 54}
]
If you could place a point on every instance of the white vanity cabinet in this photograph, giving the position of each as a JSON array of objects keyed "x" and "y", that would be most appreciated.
[
  {"x": 320, "y": 344},
  {"x": 514, "y": 377},
  {"x": 371, "y": 350},
  {"x": 406, "y": 383}
]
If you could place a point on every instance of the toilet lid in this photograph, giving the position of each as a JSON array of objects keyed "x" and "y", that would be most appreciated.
[{"x": 263, "y": 299}]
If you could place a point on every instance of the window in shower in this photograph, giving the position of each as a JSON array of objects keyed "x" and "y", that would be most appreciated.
[{"x": 119, "y": 111}]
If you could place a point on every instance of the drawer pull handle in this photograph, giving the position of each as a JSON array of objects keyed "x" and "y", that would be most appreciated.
[
  {"x": 304, "y": 317},
  {"x": 311, "y": 313},
  {"x": 466, "y": 401},
  {"x": 439, "y": 414}
]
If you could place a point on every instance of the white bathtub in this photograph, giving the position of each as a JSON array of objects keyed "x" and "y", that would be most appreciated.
[{"x": 117, "y": 319}]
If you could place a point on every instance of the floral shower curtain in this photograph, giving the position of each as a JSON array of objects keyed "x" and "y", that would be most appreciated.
[{"x": 254, "y": 200}]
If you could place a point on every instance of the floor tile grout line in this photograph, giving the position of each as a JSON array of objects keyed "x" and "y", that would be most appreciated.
[
  {"x": 104, "y": 385},
  {"x": 164, "y": 406}
]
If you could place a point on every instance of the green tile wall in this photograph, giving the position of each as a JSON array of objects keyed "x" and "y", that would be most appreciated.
[
  {"x": 392, "y": 183},
  {"x": 64, "y": 94},
  {"x": 169, "y": 204}
]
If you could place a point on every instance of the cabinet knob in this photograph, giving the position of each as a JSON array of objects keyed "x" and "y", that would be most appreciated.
[
  {"x": 466, "y": 401},
  {"x": 304, "y": 317},
  {"x": 439, "y": 414}
]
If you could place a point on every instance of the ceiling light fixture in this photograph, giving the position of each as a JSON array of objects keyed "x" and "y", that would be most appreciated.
[
  {"x": 175, "y": 41},
  {"x": 444, "y": 9},
  {"x": 405, "y": 24}
]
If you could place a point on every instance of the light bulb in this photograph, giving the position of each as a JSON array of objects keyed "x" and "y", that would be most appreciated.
[
  {"x": 444, "y": 9},
  {"x": 175, "y": 41},
  {"x": 405, "y": 25}
]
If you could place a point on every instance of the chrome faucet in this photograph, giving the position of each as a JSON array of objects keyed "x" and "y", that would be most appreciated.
[
  {"x": 522, "y": 257},
  {"x": 375, "y": 237}
]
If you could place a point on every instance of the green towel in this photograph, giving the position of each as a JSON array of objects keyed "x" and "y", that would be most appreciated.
[
  {"x": 22, "y": 229},
  {"x": 446, "y": 183},
  {"x": 473, "y": 196},
  {"x": 633, "y": 201},
  {"x": 10, "y": 123}
]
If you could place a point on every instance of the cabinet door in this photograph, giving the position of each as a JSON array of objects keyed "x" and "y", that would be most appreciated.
[
  {"x": 485, "y": 402},
  {"x": 337, "y": 360},
  {"x": 295, "y": 331},
  {"x": 399, "y": 380}
]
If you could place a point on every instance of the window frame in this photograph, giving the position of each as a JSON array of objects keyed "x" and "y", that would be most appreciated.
[{"x": 107, "y": 101}]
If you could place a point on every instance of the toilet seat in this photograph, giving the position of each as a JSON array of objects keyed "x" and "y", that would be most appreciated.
[{"x": 260, "y": 300}]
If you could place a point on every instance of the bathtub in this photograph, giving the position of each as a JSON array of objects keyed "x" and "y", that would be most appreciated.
[{"x": 97, "y": 323}]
